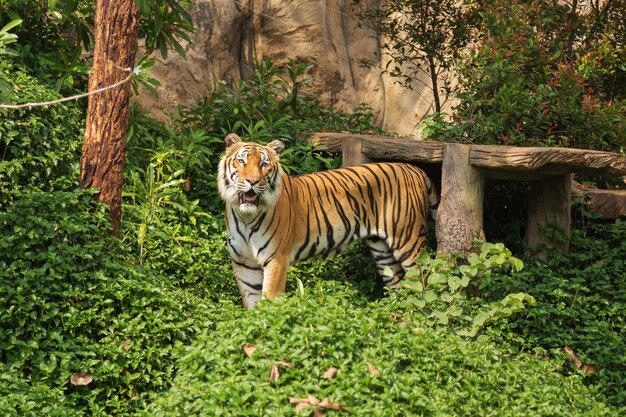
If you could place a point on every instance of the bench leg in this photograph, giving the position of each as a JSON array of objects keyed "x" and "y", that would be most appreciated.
[
  {"x": 352, "y": 152},
  {"x": 460, "y": 212},
  {"x": 549, "y": 214}
]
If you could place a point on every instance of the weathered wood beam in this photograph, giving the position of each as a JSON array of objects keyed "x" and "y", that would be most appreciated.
[
  {"x": 460, "y": 212},
  {"x": 547, "y": 161},
  {"x": 609, "y": 204},
  {"x": 384, "y": 147},
  {"x": 331, "y": 141},
  {"x": 506, "y": 162}
]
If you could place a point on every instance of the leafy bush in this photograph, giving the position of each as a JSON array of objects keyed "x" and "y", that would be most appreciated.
[
  {"x": 283, "y": 352},
  {"x": 39, "y": 147},
  {"x": 447, "y": 289},
  {"x": 581, "y": 303},
  {"x": 71, "y": 302},
  {"x": 274, "y": 104},
  {"x": 534, "y": 80},
  {"x": 19, "y": 397}
]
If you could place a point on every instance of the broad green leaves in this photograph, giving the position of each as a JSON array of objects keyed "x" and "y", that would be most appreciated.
[
  {"x": 7, "y": 38},
  {"x": 446, "y": 289}
]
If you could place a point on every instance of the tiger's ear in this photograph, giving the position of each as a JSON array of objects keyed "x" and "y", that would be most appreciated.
[
  {"x": 231, "y": 139},
  {"x": 277, "y": 146}
]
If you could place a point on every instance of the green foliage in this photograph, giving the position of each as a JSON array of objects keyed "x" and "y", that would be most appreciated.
[
  {"x": 67, "y": 66},
  {"x": 163, "y": 24},
  {"x": 19, "y": 397},
  {"x": 272, "y": 104},
  {"x": 71, "y": 302},
  {"x": 581, "y": 303},
  {"x": 39, "y": 147},
  {"x": 533, "y": 80},
  {"x": 422, "y": 38},
  {"x": 6, "y": 37},
  {"x": 43, "y": 48},
  {"x": 385, "y": 366},
  {"x": 47, "y": 52},
  {"x": 446, "y": 287}
]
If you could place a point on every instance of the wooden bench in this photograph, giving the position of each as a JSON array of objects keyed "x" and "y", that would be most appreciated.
[{"x": 463, "y": 170}]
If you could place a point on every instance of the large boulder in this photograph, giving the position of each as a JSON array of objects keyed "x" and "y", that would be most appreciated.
[{"x": 232, "y": 33}]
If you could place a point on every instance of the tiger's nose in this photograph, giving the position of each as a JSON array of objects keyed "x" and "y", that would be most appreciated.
[{"x": 253, "y": 181}]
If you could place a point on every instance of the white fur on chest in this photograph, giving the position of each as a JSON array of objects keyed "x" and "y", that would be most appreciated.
[{"x": 246, "y": 242}]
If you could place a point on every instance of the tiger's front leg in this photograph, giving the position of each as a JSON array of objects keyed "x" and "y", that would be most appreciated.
[
  {"x": 274, "y": 277},
  {"x": 250, "y": 282}
]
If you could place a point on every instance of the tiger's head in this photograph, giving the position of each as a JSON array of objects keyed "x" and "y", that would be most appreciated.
[{"x": 249, "y": 175}]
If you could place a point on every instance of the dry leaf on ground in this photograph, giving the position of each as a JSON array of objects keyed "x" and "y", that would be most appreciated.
[
  {"x": 372, "y": 370},
  {"x": 274, "y": 373},
  {"x": 333, "y": 406},
  {"x": 318, "y": 412},
  {"x": 311, "y": 401},
  {"x": 248, "y": 349},
  {"x": 81, "y": 378},
  {"x": 330, "y": 372}
]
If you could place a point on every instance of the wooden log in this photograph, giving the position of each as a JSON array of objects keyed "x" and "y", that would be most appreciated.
[
  {"x": 460, "y": 212},
  {"x": 352, "y": 152},
  {"x": 406, "y": 150},
  {"x": 609, "y": 204},
  {"x": 549, "y": 206},
  {"x": 331, "y": 141},
  {"x": 547, "y": 161},
  {"x": 508, "y": 162},
  {"x": 384, "y": 148}
]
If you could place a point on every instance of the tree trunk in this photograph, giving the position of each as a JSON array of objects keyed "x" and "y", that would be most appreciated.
[
  {"x": 104, "y": 144},
  {"x": 435, "y": 83}
]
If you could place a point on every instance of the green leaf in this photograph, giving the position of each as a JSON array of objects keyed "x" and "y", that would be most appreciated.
[
  {"x": 430, "y": 296},
  {"x": 442, "y": 316}
]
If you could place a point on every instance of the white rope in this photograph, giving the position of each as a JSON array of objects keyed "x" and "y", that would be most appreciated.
[{"x": 71, "y": 98}]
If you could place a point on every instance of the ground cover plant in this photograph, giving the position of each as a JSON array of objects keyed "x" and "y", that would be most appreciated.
[
  {"x": 580, "y": 304},
  {"x": 366, "y": 357}
]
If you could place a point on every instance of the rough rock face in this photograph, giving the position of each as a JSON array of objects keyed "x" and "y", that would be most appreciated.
[{"x": 232, "y": 33}]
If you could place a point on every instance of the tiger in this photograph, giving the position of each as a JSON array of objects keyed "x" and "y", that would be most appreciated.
[{"x": 274, "y": 220}]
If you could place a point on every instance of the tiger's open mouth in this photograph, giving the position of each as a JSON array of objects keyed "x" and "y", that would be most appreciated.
[{"x": 249, "y": 197}]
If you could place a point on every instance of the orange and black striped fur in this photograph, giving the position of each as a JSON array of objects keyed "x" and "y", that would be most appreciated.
[{"x": 274, "y": 220}]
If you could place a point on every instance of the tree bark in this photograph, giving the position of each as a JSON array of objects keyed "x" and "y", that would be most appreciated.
[
  {"x": 460, "y": 212},
  {"x": 104, "y": 144}
]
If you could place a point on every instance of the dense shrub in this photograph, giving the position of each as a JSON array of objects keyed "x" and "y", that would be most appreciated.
[
  {"x": 72, "y": 302},
  {"x": 39, "y": 147},
  {"x": 542, "y": 74},
  {"x": 386, "y": 365},
  {"x": 581, "y": 303}
]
